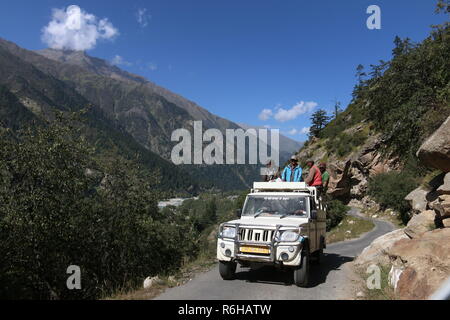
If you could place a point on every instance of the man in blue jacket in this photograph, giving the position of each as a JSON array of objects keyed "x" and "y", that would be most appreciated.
[{"x": 293, "y": 172}]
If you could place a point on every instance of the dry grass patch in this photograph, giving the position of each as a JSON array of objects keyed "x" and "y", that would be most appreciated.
[{"x": 349, "y": 228}]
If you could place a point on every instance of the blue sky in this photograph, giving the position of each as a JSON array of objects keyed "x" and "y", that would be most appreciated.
[{"x": 237, "y": 58}]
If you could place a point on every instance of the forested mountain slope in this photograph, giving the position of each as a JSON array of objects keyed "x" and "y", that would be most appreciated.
[
  {"x": 396, "y": 105},
  {"x": 127, "y": 102}
]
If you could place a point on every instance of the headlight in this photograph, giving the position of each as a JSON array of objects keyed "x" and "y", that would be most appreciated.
[
  {"x": 229, "y": 232},
  {"x": 289, "y": 236}
]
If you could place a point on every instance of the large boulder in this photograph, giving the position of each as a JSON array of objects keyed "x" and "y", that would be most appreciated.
[
  {"x": 445, "y": 187},
  {"x": 418, "y": 200},
  {"x": 376, "y": 253},
  {"x": 442, "y": 207},
  {"x": 435, "y": 152},
  {"x": 420, "y": 223},
  {"x": 423, "y": 263},
  {"x": 339, "y": 179}
]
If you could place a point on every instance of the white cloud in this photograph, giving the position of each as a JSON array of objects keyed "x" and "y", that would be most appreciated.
[
  {"x": 283, "y": 115},
  {"x": 120, "y": 61},
  {"x": 142, "y": 17},
  {"x": 75, "y": 29},
  {"x": 305, "y": 130},
  {"x": 265, "y": 114},
  {"x": 294, "y": 132}
]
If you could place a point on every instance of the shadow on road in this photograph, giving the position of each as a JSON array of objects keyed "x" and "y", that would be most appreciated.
[
  {"x": 330, "y": 262},
  {"x": 271, "y": 275}
]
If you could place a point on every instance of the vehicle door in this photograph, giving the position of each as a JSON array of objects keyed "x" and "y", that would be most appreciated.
[{"x": 314, "y": 235}]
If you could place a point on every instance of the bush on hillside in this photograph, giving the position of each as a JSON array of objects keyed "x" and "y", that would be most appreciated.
[
  {"x": 407, "y": 97},
  {"x": 344, "y": 143},
  {"x": 390, "y": 189},
  {"x": 55, "y": 213},
  {"x": 336, "y": 211}
]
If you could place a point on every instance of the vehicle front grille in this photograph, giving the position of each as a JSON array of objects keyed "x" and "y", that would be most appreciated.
[{"x": 256, "y": 235}]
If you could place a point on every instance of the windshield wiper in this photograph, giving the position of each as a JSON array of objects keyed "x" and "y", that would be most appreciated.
[
  {"x": 289, "y": 215},
  {"x": 258, "y": 214}
]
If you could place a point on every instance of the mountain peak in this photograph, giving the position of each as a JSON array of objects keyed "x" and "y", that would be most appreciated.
[
  {"x": 70, "y": 56},
  {"x": 98, "y": 66}
]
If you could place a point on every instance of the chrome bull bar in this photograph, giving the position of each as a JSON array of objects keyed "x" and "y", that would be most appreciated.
[{"x": 272, "y": 243}]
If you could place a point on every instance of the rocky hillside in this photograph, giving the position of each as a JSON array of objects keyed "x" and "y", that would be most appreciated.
[
  {"x": 418, "y": 256},
  {"x": 392, "y": 145},
  {"x": 396, "y": 106}
]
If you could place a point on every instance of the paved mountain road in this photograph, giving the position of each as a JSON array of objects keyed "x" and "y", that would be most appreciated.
[{"x": 329, "y": 280}]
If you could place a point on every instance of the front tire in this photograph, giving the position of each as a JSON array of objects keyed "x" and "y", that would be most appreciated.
[
  {"x": 227, "y": 270},
  {"x": 301, "y": 273},
  {"x": 318, "y": 256}
]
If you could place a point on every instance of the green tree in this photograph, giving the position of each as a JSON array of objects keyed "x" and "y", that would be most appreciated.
[
  {"x": 390, "y": 189},
  {"x": 319, "y": 120},
  {"x": 443, "y": 6},
  {"x": 63, "y": 204}
]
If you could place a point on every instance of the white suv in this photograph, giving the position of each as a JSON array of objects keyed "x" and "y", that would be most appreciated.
[{"x": 282, "y": 224}]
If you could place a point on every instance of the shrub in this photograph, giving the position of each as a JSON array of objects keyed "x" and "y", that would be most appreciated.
[
  {"x": 54, "y": 214},
  {"x": 336, "y": 211},
  {"x": 343, "y": 143},
  {"x": 390, "y": 189}
]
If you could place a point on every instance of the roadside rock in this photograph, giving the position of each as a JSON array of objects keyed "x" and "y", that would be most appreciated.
[
  {"x": 418, "y": 200},
  {"x": 213, "y": 235},
  {"x": 349, "y": 176},
  {"x": 425, "y": 262},
  {"x": 394, "y": 276},
  {"x": 435, "y": 152},
  {"x": 150, "y": 282},
  {"x": 421, "y": 223},
  {"x": 376, "y": 253},
  {"x": 442, "y": 207},
  {"x": 339, "y": 179},
  {"x": 445, "y": 187}
]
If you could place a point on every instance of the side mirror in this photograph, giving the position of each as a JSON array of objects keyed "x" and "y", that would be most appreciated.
[
  {"x": 238, "y": 213},
  {"x": 314, "y": 214}
]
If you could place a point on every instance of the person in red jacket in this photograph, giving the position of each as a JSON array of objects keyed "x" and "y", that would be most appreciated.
[{"x": 314, "y": 178}]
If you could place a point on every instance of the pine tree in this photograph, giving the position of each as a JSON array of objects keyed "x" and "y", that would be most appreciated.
[{"x": 319, "y": 120}]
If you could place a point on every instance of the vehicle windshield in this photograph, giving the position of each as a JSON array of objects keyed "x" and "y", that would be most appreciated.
[{"x": 282, "y": 206}]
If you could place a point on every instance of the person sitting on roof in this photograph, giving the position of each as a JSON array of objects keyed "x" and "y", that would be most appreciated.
[
  {"x": 325, "y": 176},
  {"x": 293, "y": 172},
  {"x": 314, "y": 178}
]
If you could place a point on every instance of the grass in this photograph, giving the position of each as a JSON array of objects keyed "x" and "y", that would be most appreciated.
[
  {"x": 386, "y": 292},
  {"x": 349, "y": 228},
  {"x": 388, "y": 215},
  {"x": 202, "y": 263}
]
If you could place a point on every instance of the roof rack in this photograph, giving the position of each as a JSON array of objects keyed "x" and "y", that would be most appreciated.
[
  {"x": 281, "y": 186},
  {"x": 287, "y": 187}
]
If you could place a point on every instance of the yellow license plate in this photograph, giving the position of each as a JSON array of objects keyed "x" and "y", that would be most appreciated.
[{"x": 253, "y": 249}]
